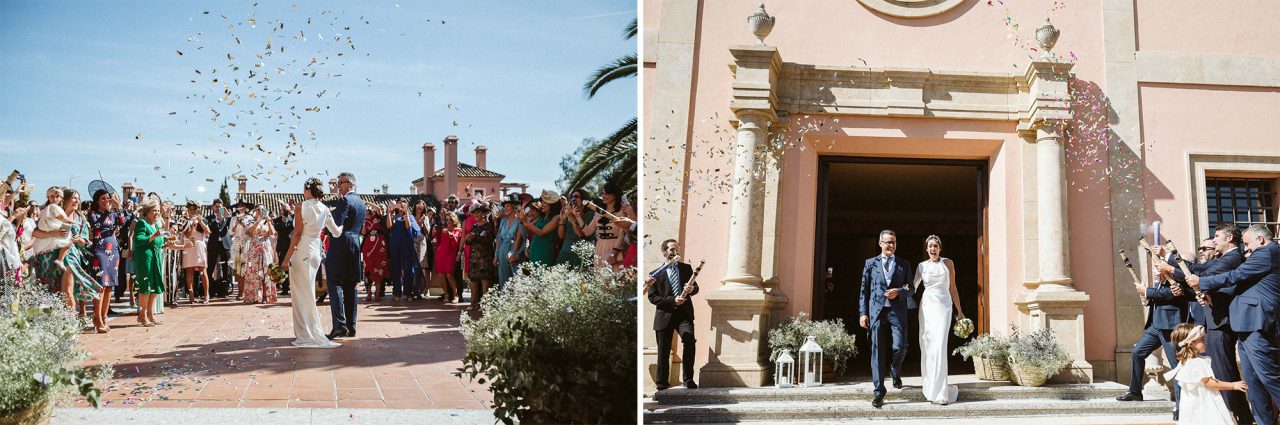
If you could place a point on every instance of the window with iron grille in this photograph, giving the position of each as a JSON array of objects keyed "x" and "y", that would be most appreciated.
[{"x": 1242, "y": 201}]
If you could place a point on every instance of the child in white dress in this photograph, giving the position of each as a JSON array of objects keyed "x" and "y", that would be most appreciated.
[
  {"x": 1201, "y": 401},
  {"x": 53, "y": 219}
]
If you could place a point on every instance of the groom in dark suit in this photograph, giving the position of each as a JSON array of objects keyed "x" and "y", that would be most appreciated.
[
  {"x": 883, "y": 301},
  {"x": 343, "y": 263}
]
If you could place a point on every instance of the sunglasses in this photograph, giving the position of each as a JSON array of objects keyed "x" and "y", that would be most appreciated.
[{"x": 1206, "y": 248}]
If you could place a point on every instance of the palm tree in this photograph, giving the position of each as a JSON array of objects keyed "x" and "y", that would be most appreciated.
[{"x": 615, "y": 157}]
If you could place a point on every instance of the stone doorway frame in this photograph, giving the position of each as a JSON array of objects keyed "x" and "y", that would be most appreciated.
[{"x": 981, "y": 319}]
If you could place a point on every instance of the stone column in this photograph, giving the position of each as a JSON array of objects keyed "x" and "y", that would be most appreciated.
[
  {"x": 1053, "y": 302},
  {"x": 746, "y": 215},
  {"x": 741, "y": 309}
]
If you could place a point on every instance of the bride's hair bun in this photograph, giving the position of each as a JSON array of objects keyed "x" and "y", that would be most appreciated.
[{"x": 315, "y": 186}]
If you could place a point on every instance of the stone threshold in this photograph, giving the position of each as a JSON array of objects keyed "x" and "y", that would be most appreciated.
[{"x": 231, "y": 416}]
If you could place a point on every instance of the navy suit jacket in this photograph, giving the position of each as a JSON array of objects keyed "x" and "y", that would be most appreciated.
[
  {"x": 344, "y": 264},
  {"x": 667, "y": 315},
  {"x": 1256, "y": 284},
  {"x": 871, "y": 297},
  {"x": 1166, "y": 310},
  {"x": 1211, "y": 316}
]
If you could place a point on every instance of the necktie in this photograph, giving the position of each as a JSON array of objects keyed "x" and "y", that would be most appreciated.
[{"x": 673, "y": 276}]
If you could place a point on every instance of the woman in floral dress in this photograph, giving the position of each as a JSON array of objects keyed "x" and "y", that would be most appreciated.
[
  {"x": 374, "y": 250},
  {"x": 484, "y": 268},
  {"x": 76, "y": 284},
  {"x": 259, "y": 255},
  {"x": 106, "y": 222}
]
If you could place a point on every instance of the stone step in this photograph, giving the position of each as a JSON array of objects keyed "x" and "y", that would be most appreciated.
[
  {"x": 822, "y": 410},
  {"x": 970, "y": 388}
]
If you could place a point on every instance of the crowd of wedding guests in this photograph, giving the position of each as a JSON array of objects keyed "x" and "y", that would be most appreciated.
[
  {"x": 152, "y": 252},
  {"x": 1214, "y": 315}
]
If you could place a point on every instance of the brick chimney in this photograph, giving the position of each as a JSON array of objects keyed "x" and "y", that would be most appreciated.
[
  {"x": 428, "y": 166},
  {"x": 480, "y": 156},
  {"x": 333, "y": 186},
  {"x": 243, "y": 184},
  {"x": 450, "y": 166}
]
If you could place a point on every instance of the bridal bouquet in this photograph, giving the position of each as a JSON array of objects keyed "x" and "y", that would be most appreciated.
[
  {"x": 277, "y": 274},
  {"x": 962, "y": 328}
]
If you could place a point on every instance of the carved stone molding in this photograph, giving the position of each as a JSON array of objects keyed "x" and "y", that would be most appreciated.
[
  {"x": 817, "y": 89},
  {"x": 910, "y": 8}
]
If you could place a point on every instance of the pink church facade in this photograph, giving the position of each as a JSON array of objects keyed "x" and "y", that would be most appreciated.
[{"x": 778, "y": 164}]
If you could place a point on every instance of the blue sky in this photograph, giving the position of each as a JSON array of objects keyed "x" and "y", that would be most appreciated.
[{"x": 89, "y": 87}]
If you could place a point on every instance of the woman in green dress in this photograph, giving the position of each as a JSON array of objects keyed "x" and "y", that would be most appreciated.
[
  {"x": 147, "y": 244},
  {"x": 576, "y": 225},
  {"x": 542, "y": 246}
]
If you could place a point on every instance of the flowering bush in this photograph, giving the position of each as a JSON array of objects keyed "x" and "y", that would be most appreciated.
[
  {"x": 1039, "y": 350},
  {"x": 986, "y": 346},
  {"x": 558, "y": 345},
  {"x": 38, "y": 344},
  {"x": 837, "y": 345}
]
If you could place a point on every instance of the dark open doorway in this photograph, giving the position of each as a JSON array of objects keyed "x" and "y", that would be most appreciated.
[{"x": 858, "y": 197}]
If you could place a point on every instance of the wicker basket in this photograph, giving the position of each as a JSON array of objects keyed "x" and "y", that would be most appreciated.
[
  {"x": 1027, "y": 376},
  {"x": 36, "y": 414},
  {"x": 991, "y": 369}
]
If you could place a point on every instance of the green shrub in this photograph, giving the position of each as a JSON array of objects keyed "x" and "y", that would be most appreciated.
[
  {"x": 558, "y": 345},
  {"x": 38, "y": 346},
  {"x": 987, "y": 346},
  {"x": 837, "y": 345},
  {"x": 1039, "y": 350}
]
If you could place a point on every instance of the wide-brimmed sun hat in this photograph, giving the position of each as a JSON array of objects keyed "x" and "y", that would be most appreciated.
[{"x": 550, "y": 196}]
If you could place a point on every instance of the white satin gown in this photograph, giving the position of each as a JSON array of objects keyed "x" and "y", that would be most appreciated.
[
  {"x": 303, "y": 266},
  {"x": 935, "y": 327}
]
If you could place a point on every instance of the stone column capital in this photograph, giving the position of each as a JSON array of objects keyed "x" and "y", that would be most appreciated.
[
  {"x": 1049, "y": 91},
  {"x": 756, "y": 71}
]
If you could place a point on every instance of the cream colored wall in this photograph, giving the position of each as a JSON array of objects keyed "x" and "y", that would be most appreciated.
[
  {"x": 491, "y": 187},
  {"x": 1224, "y": 120},
  {"x": 1220, "y": 27}
]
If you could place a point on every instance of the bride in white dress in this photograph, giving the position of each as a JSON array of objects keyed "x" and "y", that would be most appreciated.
[
  {"x": 937, "y": 276},
  {"x": 311, "y": 218}
]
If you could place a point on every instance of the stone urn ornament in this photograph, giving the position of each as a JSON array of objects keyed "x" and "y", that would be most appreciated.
[
  {"x": 1046, "y": 36},
  {"x": 761, "y": 24}
]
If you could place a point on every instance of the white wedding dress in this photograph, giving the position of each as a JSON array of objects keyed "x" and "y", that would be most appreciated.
[
  {"x": 935, "y": 326},
  {"x": 304, "y": 264}
]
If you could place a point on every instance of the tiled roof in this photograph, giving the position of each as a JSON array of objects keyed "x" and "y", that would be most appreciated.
[{"x": 469, "y": 171}]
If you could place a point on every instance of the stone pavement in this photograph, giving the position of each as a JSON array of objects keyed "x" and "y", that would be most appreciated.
[{"x": 231, "y": 355}]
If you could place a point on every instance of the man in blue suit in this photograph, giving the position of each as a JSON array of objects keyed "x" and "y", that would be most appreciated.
[
  {"x": 883, "y": 301},
  {"x": 1256, "y": 285},
  {"x": 343, "y": 263},
  {"x": 1165, "y": 312},
  {"x": 1220, "y": 341}
]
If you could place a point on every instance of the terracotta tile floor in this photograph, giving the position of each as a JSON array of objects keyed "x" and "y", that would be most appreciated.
[{"x": 228, "y": 354}]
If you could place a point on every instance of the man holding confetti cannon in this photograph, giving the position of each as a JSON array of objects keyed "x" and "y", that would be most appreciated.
[
  {"x": 670, "y": 288},
  {"x": 1165, "y": 311}
]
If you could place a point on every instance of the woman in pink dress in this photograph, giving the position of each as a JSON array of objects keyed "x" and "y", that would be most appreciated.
[
  {"x": 374, "y": 250},
  {"x": 447, "y": 241},
  {"x": 259, "y": 254}
]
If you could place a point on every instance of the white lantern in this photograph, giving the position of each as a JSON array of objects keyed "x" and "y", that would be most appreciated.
[
  {"x": 784, "y": 376},
  {"x": 811, "y": 361}
]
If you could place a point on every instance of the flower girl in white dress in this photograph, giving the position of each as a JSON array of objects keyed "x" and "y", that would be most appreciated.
[{"x": 1201, "y": 402}]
